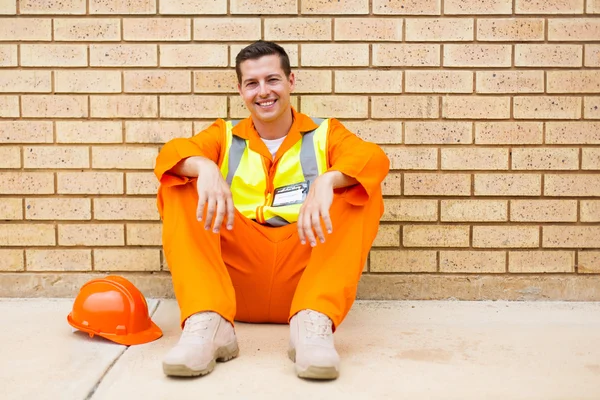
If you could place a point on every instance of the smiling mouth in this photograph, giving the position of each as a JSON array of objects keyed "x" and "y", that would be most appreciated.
[{"x": 266, "y": 104}]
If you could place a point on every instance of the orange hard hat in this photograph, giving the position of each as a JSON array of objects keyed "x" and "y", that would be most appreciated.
[{"x": 112, "y": 307}]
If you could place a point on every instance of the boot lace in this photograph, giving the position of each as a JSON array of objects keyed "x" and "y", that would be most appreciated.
[
  {"x": 318, "y": 325},
  {"x": 196, "y": 325}
]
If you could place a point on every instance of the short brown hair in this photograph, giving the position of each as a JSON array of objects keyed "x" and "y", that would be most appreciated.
[{"x": 260, "y": 49}]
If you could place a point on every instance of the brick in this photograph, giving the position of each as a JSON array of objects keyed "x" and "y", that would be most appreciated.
[
  {"x": 548, "y": 55},
  {"x": 438, "y": 132},
  {"x": 439, "y": 81},
  {"x": 69, "y": 81},
  {"x": 11, "y": 260},
  {"x": 477, "y": 7},
  {"x": 25, "y": 81},
  {"x": 475, "y": 158},
  {"x": 124, "y": 157},
  {"x": 51, "y": 157},
  {"x": 506, "y": 236},
  {"x": 387, "y": 236},
  {"x": 53, "y": 55},
  {"x": 543, "y": 210},
  {"x": 434, "y": 184},
  {"x": 590, "y": 210},
  {"x": 196, "y": 55},
  {"x": 25, "y": 29},
  {"x": 591, "y": 107},
  {"x": 290, "y": 29},
  {"x": 290, "y": 49},
  {"x": 125, "y": 209},
  {"x": 87, "y": 30},
  {"x": 10, "y": 157},
  {"x": 335, "y": 106},
  {"x": 334, "y": 55},
  {"x": 90, "y": 234},
  {"x": 217, "y": 81},
  {"x": 313, "y": 81},
  {"x": 122, "y": 7},
  {"x": 55, "y": 106},
  {"x": 70, "y": 208},
  {"x": 9, "y": 106},
  {"x": 477, "y": 55},
  {"x": 26, "y": 131},
  {"x": 571, "y": 236},
  {"x": 159, "y": 81},
  {"x": 380, "y": 132},
  {"x": 572, "y": 185},
  {"x": 52, "y": 6},
  {"x": 508, "y": 132},
  {"x": 200, "y": 126},
  {"x": 435, "y": 236},
  {"x": 475, "y": 107},
  {"x": 573, "y": 132},
  {"x": 26, "y": 182},
  {"x": 214, "y": 29},
  {"x": 409, "y": 210},
  {"x": 510, "y": 29},
  {"x": 59, "y": 260},
  {"x": 487, "y": 262},
  {"x": 541, "y": 261},
  {"x": 510, "y": 81},
  {"x": 156, "y": 131},
  {"x": 549, "y": 6},
  {"x": 263, "y": 6},
  {"x": 548, "y": 158},
  {"x": 193, "y": 106},
  {"x": 592, "y": 55},
  {"x": 547, "y": 107},
  {"x": 126, "y": 260},
  {"x": 141, "y": 183},
  {"x": 403, "y": 261},
  {"x": 90, "y": 182},
  {"x": 593, "y": 7},
  {"x": 11, "y": 208},
  {"x": 129, "y": 106},
  {"x": 589, "y": 262},
  {"x": 123, "y": 55},
  {"x": 367, "y": 29},
  {"x": 407, "y": 7},
  {"x": 368, "y": 81},
  {"x": 406, "y": 158},
  {"x": 144, "y": 234},
  {"x": 193, "y": 7},
  {"x": 8, "y": 7},
  {"x": 392, "y": 184},
  {"x": 89, "y": 132},
  {"x": 8, "y": 55},
  {"x": 406, "y": 55},
  {"x": 573, "y": 29},
  {"x": 27, "y": 235},
  {"x": 331, "y": 7},
  {"x": 473, "y": 210},
  {"x": 508, "y": 185},
  {"x": 153, "y": 29},
  {"x": 405, "y": 107},
  {"x": 439, "y": 29},
  {"x": 590, "y": 159},
  {"x": 573, "y": 81}
]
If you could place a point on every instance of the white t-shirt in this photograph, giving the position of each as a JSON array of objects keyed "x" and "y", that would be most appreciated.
[{"x": 273, "y": 145}]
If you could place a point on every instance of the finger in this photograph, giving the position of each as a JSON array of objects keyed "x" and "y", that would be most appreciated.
[
  {"x": 201, "y": 204},
  {"x": 230, "y": 211},
  {"x": 210, "y": 212},
  {"x": 327, "y": 220},
  {"x": 308, "y": 229},
  {"x": 301, "y": 226},
  {"x": 220, "y": 214},
  {"x": 316, "y": 224}
]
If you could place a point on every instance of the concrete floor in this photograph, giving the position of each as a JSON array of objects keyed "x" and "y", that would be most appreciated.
[{"x": 389, "y": 350}]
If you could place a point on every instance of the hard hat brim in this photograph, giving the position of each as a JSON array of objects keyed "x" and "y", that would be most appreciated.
[{"x": 146, "y": 336}]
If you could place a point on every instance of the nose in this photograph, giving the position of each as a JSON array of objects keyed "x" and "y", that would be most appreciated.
[{"x": 264, "y": 90}]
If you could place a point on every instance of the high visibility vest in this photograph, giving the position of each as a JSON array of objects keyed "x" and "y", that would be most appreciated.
[{"x": 259, "y": 198}]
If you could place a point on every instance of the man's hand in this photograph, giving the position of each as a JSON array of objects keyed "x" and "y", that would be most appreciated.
[{"x": 316, "y": 208}]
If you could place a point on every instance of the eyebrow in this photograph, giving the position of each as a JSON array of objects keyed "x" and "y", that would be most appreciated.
[{"x": 268, "y": 76}]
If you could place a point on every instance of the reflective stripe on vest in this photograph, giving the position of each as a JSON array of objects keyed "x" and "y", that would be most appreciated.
[{"x": 252, "y": 194}]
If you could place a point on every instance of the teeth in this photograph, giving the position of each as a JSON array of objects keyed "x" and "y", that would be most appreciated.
[{"x": 266, "y": 104}]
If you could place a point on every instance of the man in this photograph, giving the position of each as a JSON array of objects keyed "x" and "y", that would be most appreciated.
[{"x": 267, "y": 220}]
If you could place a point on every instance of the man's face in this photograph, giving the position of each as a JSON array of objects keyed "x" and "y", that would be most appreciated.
[{"x": 265, "y": 88}]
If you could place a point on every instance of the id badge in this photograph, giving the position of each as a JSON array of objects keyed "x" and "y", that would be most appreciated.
[{"x": 290, "y": 194}]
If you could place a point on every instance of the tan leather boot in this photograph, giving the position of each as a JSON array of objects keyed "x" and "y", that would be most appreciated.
[{"x": 206, "y": 338}]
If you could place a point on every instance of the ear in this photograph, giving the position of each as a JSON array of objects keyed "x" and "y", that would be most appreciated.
[
  {"x": 239, "y": 88},
  {"x": 292, "y": 81}
]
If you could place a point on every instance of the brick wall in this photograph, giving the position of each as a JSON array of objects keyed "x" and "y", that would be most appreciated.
[{"x": 488, "y": 109}]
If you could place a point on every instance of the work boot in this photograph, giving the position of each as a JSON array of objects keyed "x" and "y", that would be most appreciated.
[
  {"x": 311, "y": 346},
  {"x": 206, "y": 338}
]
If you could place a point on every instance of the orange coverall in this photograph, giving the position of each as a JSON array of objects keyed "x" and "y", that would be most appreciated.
[{"x": 258, "y": 273}]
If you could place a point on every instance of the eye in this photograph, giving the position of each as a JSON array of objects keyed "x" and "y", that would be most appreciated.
[
  {"x": 249, "y": 84},
  {"x": 273, "y": 80}
]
